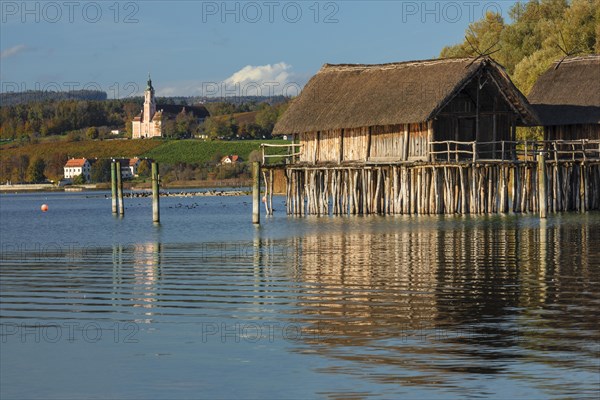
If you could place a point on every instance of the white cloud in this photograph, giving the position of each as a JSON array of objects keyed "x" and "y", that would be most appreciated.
[
  {"x": 13, "y": 51},
  {"x": 262, "y": 80},
  {"x": 265, "y": 80}
]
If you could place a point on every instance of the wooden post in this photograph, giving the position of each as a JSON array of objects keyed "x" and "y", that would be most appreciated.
[
  {"x": 155, "y": 194},
  {"x": 406, "y": 139},
  {"x": 256, "y": 193},
  {"x": 341, "y": 155},
  {"x": 120, "y": 189},
  {"x": 113, "y": 186},
  {"x": 368, "y": 153},
  {"x": 541, "y": 164},
  {"x": 429, "y": 140}
]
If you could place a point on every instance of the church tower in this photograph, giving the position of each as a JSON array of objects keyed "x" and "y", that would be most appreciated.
[
  {"x": 149, "y": 122},
  {"x": 149, "y": 102}
]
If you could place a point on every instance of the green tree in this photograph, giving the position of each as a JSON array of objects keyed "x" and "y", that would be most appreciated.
[
  {"x": 541, "y": 32},
  {"x": 20, "y": 167},
  {"x": 92, "y": 132},
  {"x": 79, "y": 180},
  {"x": 220, "y": 128},
  {"x": 101, "y": 171},
  {"x": 144, "y": 169},
  {"x": 35, "y": 172}
]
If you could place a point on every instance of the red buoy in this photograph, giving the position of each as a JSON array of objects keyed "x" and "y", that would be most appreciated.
[{"x": 44, "y": 207}]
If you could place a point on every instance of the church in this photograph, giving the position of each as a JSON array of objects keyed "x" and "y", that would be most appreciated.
[{"x": 149, "y": 123}]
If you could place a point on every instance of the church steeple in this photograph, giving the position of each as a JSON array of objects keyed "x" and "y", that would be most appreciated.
[
  {"x": 149, "y": 85},
  {"x": 149, "y": 102}
]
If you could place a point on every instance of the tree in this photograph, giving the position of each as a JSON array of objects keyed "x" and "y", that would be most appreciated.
[
  {"x": 101, "y": 170},
  {"x": 144, "y": 169},
  {"x": 92, "y": 132},
  {"x": 20, "y": 167},
  {"x": 220, "y": 128},
  {"x": 255, "y": 156},
  {"x": 541, "y": 32},
  {"x": 79, "y": 180},
  {"x": 184, "y": 124},
  {"x": 35, "y": 172},
  {"x": 55, "y": 165}
]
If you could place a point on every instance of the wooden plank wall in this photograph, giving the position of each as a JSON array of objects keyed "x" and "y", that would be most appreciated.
[
  {"x": 329, "y": 145},
  {"x": 309, "y": 150},
  {"x": 417, "y": 148},
  {"x": 572, "y": 132},
  {"x": 355, "y": 144},
  {"x": 387, "y": 142}
]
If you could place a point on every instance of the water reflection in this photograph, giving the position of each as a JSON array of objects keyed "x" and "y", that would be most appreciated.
[
  {"x": 394, "y": 306},
  {"x": 423, "y": 306}
]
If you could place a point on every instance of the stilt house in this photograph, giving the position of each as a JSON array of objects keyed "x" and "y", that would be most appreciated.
[
  {"x": 397, "y": 112},
  {"x": 567, "y": 99}
]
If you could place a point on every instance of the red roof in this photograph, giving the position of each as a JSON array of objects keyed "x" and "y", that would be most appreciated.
[
  {"x": 75, "y": 162},
  {"x": 132, "y": 161}
]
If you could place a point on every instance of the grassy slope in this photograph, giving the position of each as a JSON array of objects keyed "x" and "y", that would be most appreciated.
[
  {"x": 164, "y": 151},
  {"x": 194, "y": 151}
]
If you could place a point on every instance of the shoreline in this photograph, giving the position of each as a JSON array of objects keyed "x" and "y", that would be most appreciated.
[{"x": 224, "y": 185}]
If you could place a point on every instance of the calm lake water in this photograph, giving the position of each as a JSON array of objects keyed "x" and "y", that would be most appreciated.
[{"x": 208, "y": 306}]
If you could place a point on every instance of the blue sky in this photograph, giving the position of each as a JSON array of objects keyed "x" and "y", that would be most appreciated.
[{"x": 213, "y": 47}]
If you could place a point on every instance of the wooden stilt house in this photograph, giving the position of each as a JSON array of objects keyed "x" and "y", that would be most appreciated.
[
  {"x": 567, "y": 99},
  {"x": 428, "y": 137},
  {"x": 397, "y": 112}
]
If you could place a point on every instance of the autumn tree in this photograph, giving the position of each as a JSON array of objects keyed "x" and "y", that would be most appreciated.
[
  {"x": 35, "y": 171},
  {"x": 101, "y": 170}
]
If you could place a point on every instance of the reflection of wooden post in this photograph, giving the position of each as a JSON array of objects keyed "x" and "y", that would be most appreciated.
[
  {"x": 120, "y": 188},
  {"x": 113, "y": 186},
  {"x": 541, "y": 165},
  {"x": 155, "y": 194},
  {"x": 256, "y": 193}
]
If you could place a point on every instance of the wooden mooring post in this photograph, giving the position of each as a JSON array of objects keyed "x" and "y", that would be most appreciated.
[
  {"x": 113, "y": 186},
  {"x": 120, "y": 189},
  {"x": 155, "y": 194},
  {"x": 542, "y": 197},
  {"x": 256, "y": 193}
]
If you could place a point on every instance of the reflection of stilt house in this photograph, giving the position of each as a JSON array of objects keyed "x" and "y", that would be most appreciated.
[{"x": 425, "y": 137}]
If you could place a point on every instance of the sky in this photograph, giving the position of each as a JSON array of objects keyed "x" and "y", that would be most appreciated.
[{"x": 204, "y": 48}]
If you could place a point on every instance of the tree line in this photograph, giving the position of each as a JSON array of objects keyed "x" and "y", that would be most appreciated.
[
  {"x": 39, "y": 119},
  {"x": 540, "y": 32},
  {"x": 91, "y": 119}
]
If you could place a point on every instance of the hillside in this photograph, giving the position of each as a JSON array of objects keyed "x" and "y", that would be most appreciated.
[
  {"x": 88, "y": 149},
  {"x": 244, "y": 118},
  {"x": 197, "y": 152},
  {"x": 16, "y": 158}
]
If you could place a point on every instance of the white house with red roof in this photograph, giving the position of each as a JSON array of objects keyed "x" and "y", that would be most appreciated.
[
  {"x": 232, "y": 159},
  {"x": 129, "y": 167},
  {"x": 77, "y": 166}
]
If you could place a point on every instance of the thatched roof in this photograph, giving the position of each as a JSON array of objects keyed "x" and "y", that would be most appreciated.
[
  {"x": 351, "y": 96},
  {"x": 569, "y": 94}
]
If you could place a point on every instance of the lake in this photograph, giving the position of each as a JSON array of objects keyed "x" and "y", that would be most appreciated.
[{"x": 206, "y": 305}]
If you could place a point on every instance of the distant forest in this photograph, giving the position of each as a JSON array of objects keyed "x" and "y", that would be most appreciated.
[
  {"x": 95, "y": 119},
  {"x": 36, "y": 96}
]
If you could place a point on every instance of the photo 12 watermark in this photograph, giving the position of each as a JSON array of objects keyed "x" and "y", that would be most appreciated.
[
  {"x": 254, "y": 12},
  {"x": 70, "y": 332},
  {"x": 259, "y": 332},
  {"x": 53, "y": 12},
  {"x": 447, "y": 11}
]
